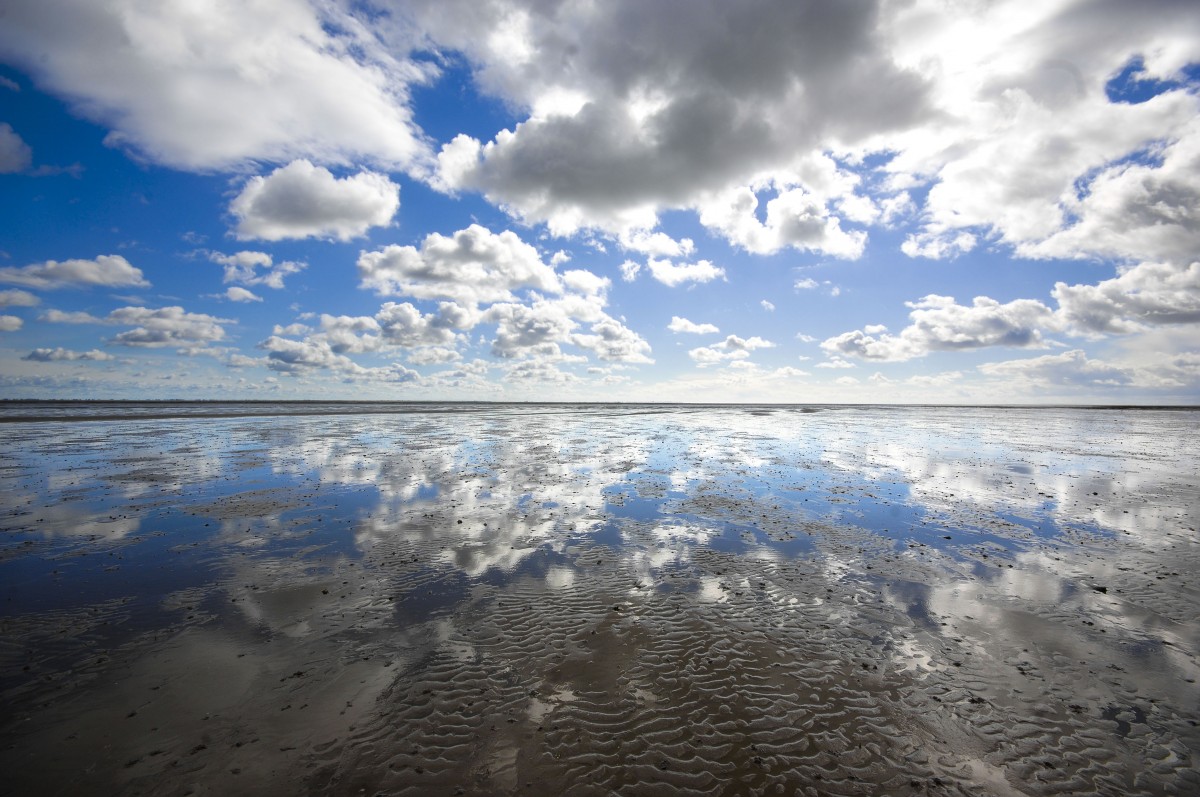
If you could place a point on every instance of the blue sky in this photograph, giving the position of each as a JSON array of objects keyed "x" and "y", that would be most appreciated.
[{"x": 700, "y": 201}]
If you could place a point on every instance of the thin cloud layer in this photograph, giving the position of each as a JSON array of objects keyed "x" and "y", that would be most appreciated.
[
  {"x": 15, "y": 154},
  {"x": 109, "y": 271},
  {"x": 60, "y": 354}
]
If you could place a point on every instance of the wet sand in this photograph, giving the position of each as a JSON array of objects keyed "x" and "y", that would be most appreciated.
[{"x": 475, "y": 599}]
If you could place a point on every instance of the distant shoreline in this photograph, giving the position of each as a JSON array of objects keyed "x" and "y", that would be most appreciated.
[{"x": 71, "y": 410}]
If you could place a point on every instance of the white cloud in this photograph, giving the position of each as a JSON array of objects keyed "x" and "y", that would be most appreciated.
[
  {"x": 76, "y": 317},
  {"x": 18, "y": 298},
  {"x": 236, "y": 294},
  {"x": 585, "y": 282},
  {"x": 15, "y": 154},
  {"x": 1031, "y": 148},
  {"x": 242, "y": 268},
  {"x": 242, "y": 361},
  {"x": 655, "y": 244},
  {"x": 938, "y": 245},
  {"x": 166, "y": 326},
  {"x": 941, "y": 324},
  {"x": 538, "y": 330},
  {"x": 1000, "y": 111},
  {"x": 474, "y": 265},
  {"x": 1136, "y": 210},
  {"x": 732, "y": 348},
  {"x": 614, "y": 342},
  {"x": 1148, "y": 294},
  {"x": 530, "y": 330},
  {"x": 10, "y": 323},
  {"x": 110, "y": 271},
  {"x": 805, "y": 284},
  {"x": 538, "y": 371},
  {"x": 403, "y": 325},
  {"x": 629, "y": 270},
  {"x": 768, "y": 306},
  {"x": 635, "y": 107},
  {"x": 836, "y": 362},
  {"x": 432, "y": 335},
  {"x": 1069, "y": 368},
  {"x": 61, "y": 354},
  {"x": 222, "y": 84},
  {"x": 297, "y": 356},
  {"x": 794, "y": 218},
  {"x": 301, "y": 200},
  {"x": 675, "y": 275},
  {"x": 683, "y": 325},
  {"x": 433, "y": 355}
]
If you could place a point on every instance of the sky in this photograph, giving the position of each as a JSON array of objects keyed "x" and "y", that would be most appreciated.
[{"x": 901, "y": 201}]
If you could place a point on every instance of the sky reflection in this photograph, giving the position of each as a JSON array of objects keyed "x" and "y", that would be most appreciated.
[{"x": 398, "y": 537}]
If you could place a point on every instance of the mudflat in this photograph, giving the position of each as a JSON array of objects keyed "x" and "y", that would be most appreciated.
[{"x": 588, "y": 599}]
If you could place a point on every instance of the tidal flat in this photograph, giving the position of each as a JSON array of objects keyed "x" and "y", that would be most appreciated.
[{"x": 598, "y": 599}]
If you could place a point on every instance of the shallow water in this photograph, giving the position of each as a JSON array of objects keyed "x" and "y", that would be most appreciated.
[{"x": 491, "y": 599}]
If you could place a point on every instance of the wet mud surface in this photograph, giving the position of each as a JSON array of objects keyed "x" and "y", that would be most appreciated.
[{"x": 602, "y": 600}]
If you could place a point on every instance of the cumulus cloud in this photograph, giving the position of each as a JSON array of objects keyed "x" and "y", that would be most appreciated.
[
  {"x": 613, "y": 341},
  {"x": 631, "y": 109},
  {"x": 110, "y": 271},
  {"x": 166, "y": 326},
  {"x": 403, "y": 325},
  {"x": 1148, "y": 294},
  {"x": 530, "y": 330},
  {"x": 732, "y": 348},
  {"x": 61, "y": 354},
  {"x": 394, "y": 326},
  {"x": 1146, "y": 209},
  {"x": 301, "y": 200},
  {"x": 473, "y": 265},
  {"x": 768, "y": 306},
  {"x": 938, "y": 323},
  {"x": 320, "y": 353},
  {"x": 538, "y": 371},
  {"x": 585, "y": 282},
  {"x": 679, "y": 324},
  {"x": 675, "y": 275},
  {"x": 243, "y": 268},
  {"x": 1033, "y": 151},
  {"x": 794, "y": 218},
  {"x": 18, "y": 298},
  {"x": 640, "y": 106},
  {"x": 296, "y": 356},
  {"x": 184, "y": 85},
  {"x": 538, "y": 330},
  {"x": 15, "y": 154},
  {"x": 10, "y": 323},
  {"x": 237, "y": 294}
]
